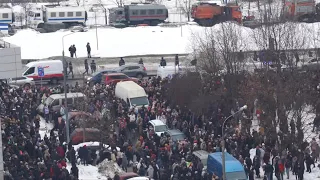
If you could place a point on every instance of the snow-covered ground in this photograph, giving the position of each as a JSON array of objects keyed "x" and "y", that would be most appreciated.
[
  {"x": 114, "y": 42},
  {"x": 314, "y": 175}
]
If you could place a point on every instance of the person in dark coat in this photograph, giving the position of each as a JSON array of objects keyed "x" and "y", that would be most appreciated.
[
  {"x": 75, "y": 171},
  {"x": 121, "y": 62},
  {"x": 86, "y": 67},
  {"x": 140, "y": 61},
  {"x": 70, "y": 69},
  {"x": 248, "y": 162},
  {"x": 73, "y": 156},
  {"x": 256, "y": 165},
  {"x": 308, "y": 161},
  {"x": 300, "y": 170},
  {"x": 85, "y": 155},
  {"x": 163, "y": 62},
  {"x": 71, "y": 51},
  {"x": 88, "y": 50},
  {"x": 93, "y": 66}
]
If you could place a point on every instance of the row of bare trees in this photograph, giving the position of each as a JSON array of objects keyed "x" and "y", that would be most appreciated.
[{"x": 286, "y": 97}]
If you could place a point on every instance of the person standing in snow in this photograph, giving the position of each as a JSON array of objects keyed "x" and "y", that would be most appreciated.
[
  {"x": 88, "y": 50},
  {"x": 71, "y": 51},
  {"x": 93, "y": 66},
  {"x": 86, "y": 67},
  {"x": 70, "y": 69},
  {"x": 74, "y": 49}
]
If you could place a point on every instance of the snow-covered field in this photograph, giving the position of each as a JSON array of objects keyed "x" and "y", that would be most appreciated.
[{"x": 114, "y": 42}]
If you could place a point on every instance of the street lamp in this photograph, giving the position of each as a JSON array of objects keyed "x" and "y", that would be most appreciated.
[
  {"x": 223, "y": 142},
  {"x": 65, "y": 88}
]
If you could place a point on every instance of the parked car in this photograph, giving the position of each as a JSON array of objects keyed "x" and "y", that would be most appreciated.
[
  {"x": 96, "y": 77},
  {"x": 133, "y": 70},
  {"x": 110, "y": 78},
  {"x": 21, "y": 81},
  {"x": 157, "y": 126},
  {"x": 176, "y": 135},
  {"x": 312, "y": 65}
]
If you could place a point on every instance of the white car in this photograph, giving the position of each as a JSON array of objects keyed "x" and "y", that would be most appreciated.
[
  {"x": 158, "y": 126},
  {"x": 21, "y": 81}
]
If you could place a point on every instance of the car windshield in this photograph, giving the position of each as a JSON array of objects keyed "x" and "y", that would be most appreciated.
[
  {"x": 139, "y": 101},
  {"x": 178, "y": 137},
  {"x": 236, "y": 176},
  {"x": 48, "y": 101},
  {"x": 161, "y": 128}
]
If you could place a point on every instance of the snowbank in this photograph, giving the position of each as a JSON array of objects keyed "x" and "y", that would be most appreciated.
[{"x": 109, "y": 168}]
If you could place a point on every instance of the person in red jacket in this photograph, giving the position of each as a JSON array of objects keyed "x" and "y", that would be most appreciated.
[
  {"x": 60, "y": 151},
  {"x": 281, "y": 168}
]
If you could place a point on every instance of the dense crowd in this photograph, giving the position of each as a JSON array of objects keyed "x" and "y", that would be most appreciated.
[{"x": 29, "y": 154}]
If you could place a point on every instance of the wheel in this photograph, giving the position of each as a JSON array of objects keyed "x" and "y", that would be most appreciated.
[
  {"x": 54, "y": 81},
  {"x": 139, "y": 76}
]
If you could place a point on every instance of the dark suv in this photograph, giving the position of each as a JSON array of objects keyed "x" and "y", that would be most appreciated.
[{"x": 132, "y": 70}]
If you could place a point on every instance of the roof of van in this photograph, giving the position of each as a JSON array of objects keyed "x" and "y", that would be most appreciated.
[
  {"x": 232, "y": 164},
  {"x": 64, "y": 9},
  {"x": 5, "y": 10},
  {"x": 201, "y": 154},
  {"x": 135, "y": 89},
  {"x": 156, "y": 122},
  {"x": 59, "y": 96},
  {"x": 33, "y": 63}
]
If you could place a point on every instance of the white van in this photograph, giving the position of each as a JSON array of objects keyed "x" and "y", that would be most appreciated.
[
  {"x": 132, "y": 93},
  {"x": 53, "y": 70},
  {"x": 55, "y": 101}
]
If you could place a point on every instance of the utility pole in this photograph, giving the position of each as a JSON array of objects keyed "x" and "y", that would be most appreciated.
[
  {"x": 1, "y": 154},
  {"x": 95, "y": 19},
  {"x": 65, "y": 89},
  {"x": 223, "y": 141}
]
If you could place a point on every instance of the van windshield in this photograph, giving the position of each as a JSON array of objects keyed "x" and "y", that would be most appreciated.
[
  {"x": 139, "y": 101},
  {"x": 161, "y": 128},
  {"x": 236, "y": 175},
  {"x": 49, "y": 100}
]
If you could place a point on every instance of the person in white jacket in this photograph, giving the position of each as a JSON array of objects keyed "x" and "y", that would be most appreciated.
[{"x": 150, "y": 171}]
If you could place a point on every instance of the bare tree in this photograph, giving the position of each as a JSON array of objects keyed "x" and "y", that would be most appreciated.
[
  {"x": 104, "y": 11},
  {"x": 185, "y": 7},
  {"x": 23, "y": 16}
]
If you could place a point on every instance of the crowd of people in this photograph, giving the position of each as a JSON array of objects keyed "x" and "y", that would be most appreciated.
[{"x": 32, "y": 155}]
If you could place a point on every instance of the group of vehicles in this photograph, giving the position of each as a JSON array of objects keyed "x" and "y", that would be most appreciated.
[{"x": 205, "y": 13}]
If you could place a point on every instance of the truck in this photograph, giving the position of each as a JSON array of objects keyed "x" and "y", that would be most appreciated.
[
  {"x": 234, "y": 169},
  {"x": 211, "y": 13},
  {"x": 59, "y": 15},
  {"x": 302, "y": 10},
  {"x": 134, "y": 14},
  {"x": 132, "y": 93}
]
